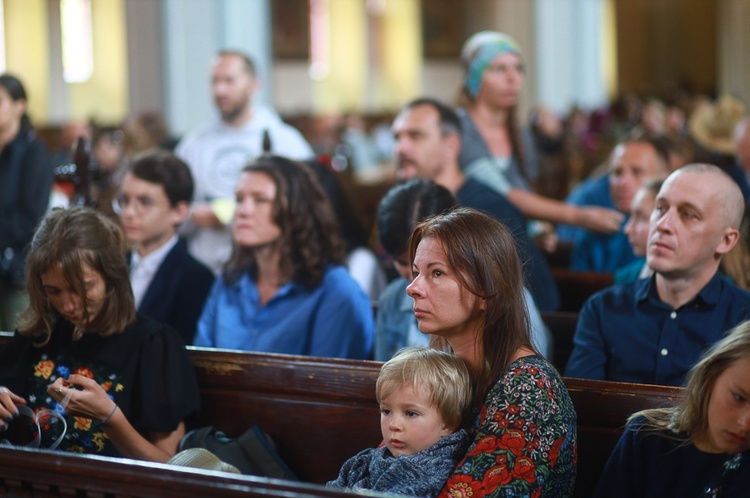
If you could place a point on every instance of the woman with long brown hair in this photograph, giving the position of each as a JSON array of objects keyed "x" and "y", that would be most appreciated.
[{"x": 468, "y": 291}]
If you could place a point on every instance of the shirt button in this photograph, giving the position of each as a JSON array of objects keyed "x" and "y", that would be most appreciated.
[
  {"x": 664, "y": 351},
  {"x": 673, "y": 315}
]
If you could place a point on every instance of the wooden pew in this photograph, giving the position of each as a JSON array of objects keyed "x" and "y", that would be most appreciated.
[
  {"x": 301, "y": 401},
  {"x": 602, "y": 409},
  {"x": 38, "y": 473},
  {"x": 321, "y": 411},
  {"x": 576, "y": 286},
  {"x": 562, "y": 327}
]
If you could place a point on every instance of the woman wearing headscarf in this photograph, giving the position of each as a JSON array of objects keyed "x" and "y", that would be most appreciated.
[{"x": 495, "y": 150}]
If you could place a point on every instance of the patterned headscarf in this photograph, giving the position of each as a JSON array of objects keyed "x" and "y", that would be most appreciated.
[{"x": 479, "y": 51}]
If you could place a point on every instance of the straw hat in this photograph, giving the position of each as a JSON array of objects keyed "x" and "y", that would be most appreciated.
[
  {"x": 712, "y": 126},
  {"x": 201, "y": 458}
]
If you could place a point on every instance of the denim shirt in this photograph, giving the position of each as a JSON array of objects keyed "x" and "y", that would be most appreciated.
[{"x": 333, "y": 319}]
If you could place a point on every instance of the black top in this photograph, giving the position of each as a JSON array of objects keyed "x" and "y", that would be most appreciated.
[
  {"x": 26, "y": 174},
  {"x": 145, "y": 370},
  {"x": 646, "y": 463}
]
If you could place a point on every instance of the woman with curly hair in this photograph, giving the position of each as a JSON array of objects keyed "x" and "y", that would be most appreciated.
[
  {"x": 468, "y": 291},
  {"x": 698, "y": 447},
  {"x": 285, "y": 289}
]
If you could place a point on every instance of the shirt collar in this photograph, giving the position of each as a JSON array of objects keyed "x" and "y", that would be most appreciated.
[
  {"x": 151, "y": 262},
  {"x": 709, "y": 294}
]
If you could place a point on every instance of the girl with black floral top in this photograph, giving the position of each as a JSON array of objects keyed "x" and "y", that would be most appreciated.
[
  {"x": 468, "y": 291},
  {"x": 123, "y": 383}
]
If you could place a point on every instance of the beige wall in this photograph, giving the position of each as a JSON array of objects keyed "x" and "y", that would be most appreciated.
[
  {"x": 26, "y": 51},
  {"x": 666, "y": 43}
]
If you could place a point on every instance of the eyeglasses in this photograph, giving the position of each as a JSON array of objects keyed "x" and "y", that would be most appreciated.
[{"x": 140, "y": 204}]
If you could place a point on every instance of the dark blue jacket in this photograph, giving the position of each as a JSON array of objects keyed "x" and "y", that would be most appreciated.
[{"x": 176, "y": 294}]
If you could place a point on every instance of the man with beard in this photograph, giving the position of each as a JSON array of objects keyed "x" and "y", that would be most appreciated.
[
  {"x": 653, "y": 331},
  {"x": 217, "y": 152},
  {"x": 427, "y": 143}
]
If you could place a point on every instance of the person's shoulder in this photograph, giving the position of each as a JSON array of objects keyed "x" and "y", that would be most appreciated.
[
  {"x": 337, "y": 279},
  {"x": 534, "y": 365},
  {"x": 148, "y": 333},
  {"x": 737, "y": 293},
  {"x": 191, "y": 267},
  {"x": 394, "y": 290},
  {"x": 618, "y": 295},
  {"x": 197, "y": 134}
]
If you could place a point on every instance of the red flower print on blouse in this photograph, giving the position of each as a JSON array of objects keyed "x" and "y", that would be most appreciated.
[
  {"x": 462, "y": 487},
  {"x": 85, "y": 372},
  {"x": 554, "y": 451},
  {"x": 485, "y": 445},
  {"x": 524, "y": 469},
  {"x": 512, "y": 441},
  {"x": 496, "y": 476}
]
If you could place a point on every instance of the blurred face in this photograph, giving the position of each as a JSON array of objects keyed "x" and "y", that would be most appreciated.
[
  {"x": 631, "y": 165},
  {"x": 148, "y": 218},
  {"x": 109, "y": 151},
  {"x": 420, "y": 149},
  {"x": 254, "y": 225},
  {"x": 233, "y": 88},
  {"x": 402, "y": 266},
  {"x": 442, "y": 305},
  {"x": 10, "y": 111},
  {"x": 65, "y": 300},
  {"x": 410, "y": 423},
  {"x": 638, "y": 224},
  {"x": 729, "y": 411},
  {"x": 502, "y": 82},
  {"x": 687, "y": 228}
]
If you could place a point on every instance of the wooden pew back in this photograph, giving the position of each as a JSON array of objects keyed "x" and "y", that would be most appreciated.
[
  {"x": 41, "y": 473},
  {"x": 562, "y": 326},
  {"x": 321, "y": 411},
  {"x": 575, "y": 286}
]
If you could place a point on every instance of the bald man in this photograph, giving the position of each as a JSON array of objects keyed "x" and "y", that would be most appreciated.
[{"x": 654, "y": 330}]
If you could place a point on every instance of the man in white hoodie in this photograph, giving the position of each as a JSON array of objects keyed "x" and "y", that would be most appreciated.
[{"x": 217, "y": 152}]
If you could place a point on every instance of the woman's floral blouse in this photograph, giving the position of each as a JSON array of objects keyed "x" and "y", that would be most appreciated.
[{"x": 524, "y": 438}]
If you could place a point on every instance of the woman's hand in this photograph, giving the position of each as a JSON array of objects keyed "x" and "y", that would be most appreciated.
[
  {"x": 8, "y": 409},
  {"x": 89, "y": 400},
  {"x": 599, "y": 219}
]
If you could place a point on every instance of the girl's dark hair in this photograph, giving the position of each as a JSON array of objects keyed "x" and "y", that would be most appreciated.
[
  {"x": 482, "y": 253},
  {"x": 69, "y": 238},
  {"x": 405, "y": 205},
  {"x": 310, "y": 238},
  {"x": 17, "y": 92}
]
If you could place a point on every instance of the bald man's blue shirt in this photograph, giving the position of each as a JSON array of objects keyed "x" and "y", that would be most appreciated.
[{"x": 626, "y": 333}]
